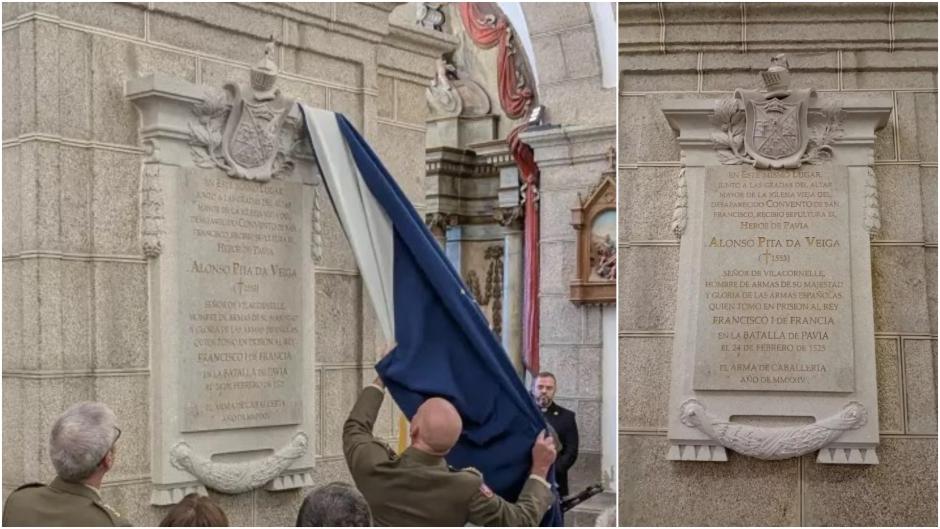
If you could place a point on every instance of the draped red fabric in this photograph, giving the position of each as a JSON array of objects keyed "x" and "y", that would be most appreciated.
[
  {"x": 529, "y": 171},
  {"x": 488, "y": 29}
]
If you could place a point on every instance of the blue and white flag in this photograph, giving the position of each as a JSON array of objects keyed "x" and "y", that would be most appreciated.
[{"x": 444, "y": 345}]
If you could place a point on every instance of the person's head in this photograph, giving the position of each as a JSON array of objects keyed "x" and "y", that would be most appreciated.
[
  {"x": 436, "y": 426},
  {"x": 543, "y": 389},
  {"x": 82, "y": 441},
  {"x": 195, "y": 511},
  {"x": 335, "y": 504}
]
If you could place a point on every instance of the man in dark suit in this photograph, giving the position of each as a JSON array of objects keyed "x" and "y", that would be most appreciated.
[{"x": 563, "y": 422}]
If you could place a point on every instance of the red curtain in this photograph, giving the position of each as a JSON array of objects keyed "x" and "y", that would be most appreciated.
[
  {"x": 488, "y": 30},
  {"x": 487, "y": 26}
]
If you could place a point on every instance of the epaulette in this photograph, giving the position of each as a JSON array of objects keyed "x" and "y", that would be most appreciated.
[
  {"x": 112, "y": 514},
  {"x": 472, "y": 470},
  {"x": 29, "y": 486}
]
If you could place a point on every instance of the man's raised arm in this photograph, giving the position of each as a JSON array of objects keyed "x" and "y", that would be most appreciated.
[{"x": 360, "y": 446}]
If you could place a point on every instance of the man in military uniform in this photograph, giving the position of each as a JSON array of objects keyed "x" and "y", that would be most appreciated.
[
  {"x": 417, "y": 488},
  {"x": 563, "y": 422},
  {"x": 82, "y": 450}
]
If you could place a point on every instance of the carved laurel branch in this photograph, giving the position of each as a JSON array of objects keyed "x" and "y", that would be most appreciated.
[
  {"x": 872, "y": 208},
  {"x": 824, "y": 133},
  {"x": 773, "y": 443},
  {"x": 235, "y": 478},
  {"x": 206, "y": 138},
  {"x": 729, "y": 141},
  {"x": 680, "y": 213}
]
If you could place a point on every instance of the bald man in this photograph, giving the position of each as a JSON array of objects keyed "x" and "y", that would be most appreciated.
[{"x": 417, "y": 488}]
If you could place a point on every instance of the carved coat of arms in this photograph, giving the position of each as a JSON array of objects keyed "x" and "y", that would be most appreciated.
[
  {"x": 243, "y": 130},
  {"x": 776, "y": 133},
  {"x": 250, "y": 140}
]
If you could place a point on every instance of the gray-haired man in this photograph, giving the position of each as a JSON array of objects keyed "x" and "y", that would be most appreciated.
[
  {"x": 335, "y": 504},
  {"x": 82, "y": 450}
]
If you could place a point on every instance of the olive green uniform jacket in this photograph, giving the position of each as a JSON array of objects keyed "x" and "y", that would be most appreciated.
[
  {"x": 419, "y": 489},
  {"x": 59, "y": 504}
]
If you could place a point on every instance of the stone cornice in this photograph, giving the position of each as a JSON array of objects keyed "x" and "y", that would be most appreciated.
[{"x": 569, "y": 145}]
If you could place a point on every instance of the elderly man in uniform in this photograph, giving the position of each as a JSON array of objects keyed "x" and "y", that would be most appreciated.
[
  {"x": 562, "y": 421},
  {"x": 417, "y": 488},
  {"x": 82, "y": 450}
]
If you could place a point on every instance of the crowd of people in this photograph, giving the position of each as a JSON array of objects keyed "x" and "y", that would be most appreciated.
[{"x": 413, "y": 488}]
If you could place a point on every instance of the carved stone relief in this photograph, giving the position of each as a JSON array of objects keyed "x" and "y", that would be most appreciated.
[
  {"x": 508, "y": 216},
  {"x": 770, "y": 442},
  {"x": 431, "y": 16},
  {"x": 247, "y": 133},
  {"x": 438, "y": 222},
  {"x": 455, "y": 90},
  {"x": 492, "y": 292},
  {"x": 235, "y": 478},
  {"x": 772, "y": 130}
]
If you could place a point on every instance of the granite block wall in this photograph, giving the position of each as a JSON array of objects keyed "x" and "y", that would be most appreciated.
[
  {"x": 75, "y": 321},
  {"x": 705, "y": 51}
]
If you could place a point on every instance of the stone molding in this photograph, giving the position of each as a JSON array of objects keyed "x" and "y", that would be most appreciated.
[{"x": 570, "y": 145}]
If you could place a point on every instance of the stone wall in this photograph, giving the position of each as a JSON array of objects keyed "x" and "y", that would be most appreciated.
[
  {"x": 571, "y": 158},
  {"x": 705, "y": 51},
  {"x": 75, "y": 321}
]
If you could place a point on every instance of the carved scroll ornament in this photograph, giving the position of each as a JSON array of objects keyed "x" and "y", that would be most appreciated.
[
  {"x": 235, "y": 478},
  {"x": 773, "y": 443}
]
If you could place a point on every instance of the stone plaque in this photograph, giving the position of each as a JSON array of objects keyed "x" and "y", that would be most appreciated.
[
  {"x": 231, "y": 233},
  {"x": 775, "y": 307},
  {"x": 239, "y": 269},
  {"x": 774, "y": 350}
]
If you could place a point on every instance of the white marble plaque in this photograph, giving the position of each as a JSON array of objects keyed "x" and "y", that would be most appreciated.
[
  {"x": 775, "y": 307},
  {"x": 241, "y": 301}
]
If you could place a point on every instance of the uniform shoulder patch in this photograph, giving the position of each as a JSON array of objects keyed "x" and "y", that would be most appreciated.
[{"x": 485, "y": 490}]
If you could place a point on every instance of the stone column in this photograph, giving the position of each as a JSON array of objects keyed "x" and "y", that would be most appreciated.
[
  {"x": 609, "y": 382},
  {"x": 511, "y": 220}
]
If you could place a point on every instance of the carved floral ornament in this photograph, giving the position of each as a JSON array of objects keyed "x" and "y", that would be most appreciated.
[{"x": 595, "y": 219}]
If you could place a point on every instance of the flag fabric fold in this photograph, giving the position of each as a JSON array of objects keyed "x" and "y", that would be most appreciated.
[{"x": 444, "y": 345}]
